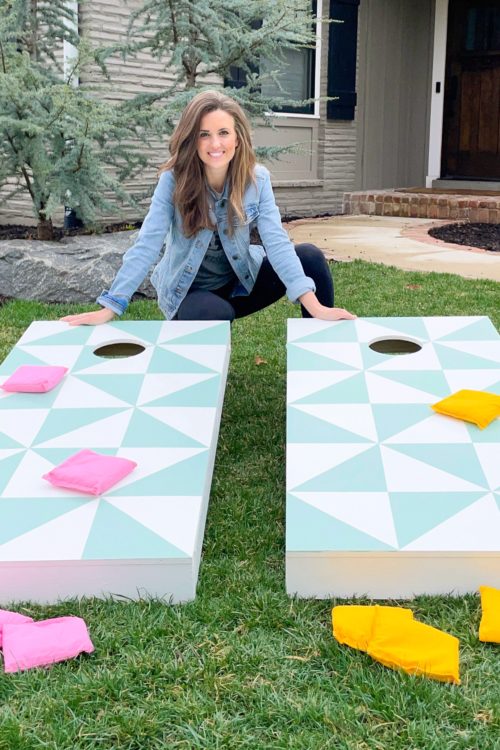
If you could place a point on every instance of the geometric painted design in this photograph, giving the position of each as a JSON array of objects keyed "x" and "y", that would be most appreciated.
[
  {"x": 126, "y": 387},
  {"x": 144, "y": 430},
  {"x": 415, "y": 513},
  {"x": 363, "y": 473},
  {"x": 351, "y": 391},
  {"x": 203, "y": 393},
  {"x": 373, "y": 471},
  {"x": 432, "y": 382},
  {"x": 160, "y": 408},
  {"x": 128, "y": 535},
  {"x": 393, "y": 418},
  {"x": 302, "y": 427},
  {"x": 459, "y": 460},
  {"x": 307, "y": 525}
]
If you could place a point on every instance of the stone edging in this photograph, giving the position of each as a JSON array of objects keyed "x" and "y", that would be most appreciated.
[{"x": 421, "y": 234}]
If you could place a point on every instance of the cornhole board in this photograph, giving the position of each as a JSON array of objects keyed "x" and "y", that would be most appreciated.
[
  {"x": 386, "y": 498},
  {"x": 160, "y": 408}
]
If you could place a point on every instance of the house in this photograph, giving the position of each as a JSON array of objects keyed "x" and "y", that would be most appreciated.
[{"x": 414, "y": 102}]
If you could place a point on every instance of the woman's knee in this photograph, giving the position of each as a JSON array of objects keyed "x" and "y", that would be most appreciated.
[
  {"x": 311, "y": 256},
  {"x": 205, "y": 306}
]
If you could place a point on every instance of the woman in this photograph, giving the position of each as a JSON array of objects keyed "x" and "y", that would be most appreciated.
[{"x": 209, "y": 194}]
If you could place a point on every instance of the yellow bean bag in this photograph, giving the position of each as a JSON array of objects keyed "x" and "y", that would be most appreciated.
[
  {"x": 479, "y": 407},
  {"x": 489, "y": 627},
  {"x": 391, "y": 636},
  {"x": 417, "y": 648},
  {"x": 353, "y": 624}
]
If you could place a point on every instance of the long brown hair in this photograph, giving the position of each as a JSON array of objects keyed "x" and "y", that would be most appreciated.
[{"x": 191, "y": 196}]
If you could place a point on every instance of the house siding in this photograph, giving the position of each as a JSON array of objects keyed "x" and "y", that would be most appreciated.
[{"x": 308, "y": 183}]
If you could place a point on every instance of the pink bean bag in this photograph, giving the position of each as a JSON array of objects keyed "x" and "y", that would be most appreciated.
[
  {"x": 90, "y": 472},
  {"x": 34, "y": 378},
  {"x": 8, "y": 618},
  {"x": 38, "y": 644}
]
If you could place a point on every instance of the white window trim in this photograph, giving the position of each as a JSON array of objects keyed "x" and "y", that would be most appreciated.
[
  {"x": 70, "y": 53},
  {"x": 437, "y": 100},
  {"x": 317, "y": 72}
]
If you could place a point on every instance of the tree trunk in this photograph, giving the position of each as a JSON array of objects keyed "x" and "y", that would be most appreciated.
[{"x": 45, "y": 230}]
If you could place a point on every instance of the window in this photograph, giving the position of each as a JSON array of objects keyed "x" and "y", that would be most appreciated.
[{"x": 296, "y": 76}]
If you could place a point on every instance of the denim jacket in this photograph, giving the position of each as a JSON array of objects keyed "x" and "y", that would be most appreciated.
[{"x": 182, "y": 256}]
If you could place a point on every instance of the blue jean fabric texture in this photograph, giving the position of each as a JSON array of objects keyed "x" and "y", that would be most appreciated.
[
  {"x": 202, "y": 304},
  {"x": 182, "y": 256}
]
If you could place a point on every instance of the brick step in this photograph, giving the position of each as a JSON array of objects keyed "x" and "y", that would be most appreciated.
[{"x": 423, "y": 205}]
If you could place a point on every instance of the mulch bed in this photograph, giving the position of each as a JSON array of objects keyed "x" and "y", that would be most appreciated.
[
  {"x": 486, "y": 236},
  {"x": 21, "y": 232}
]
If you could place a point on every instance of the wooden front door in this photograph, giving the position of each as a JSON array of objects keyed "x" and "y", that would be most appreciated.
[{"x": 471, "y": 124}]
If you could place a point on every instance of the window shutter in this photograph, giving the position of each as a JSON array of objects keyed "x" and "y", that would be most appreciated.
[{"x": 342, "y": 45}]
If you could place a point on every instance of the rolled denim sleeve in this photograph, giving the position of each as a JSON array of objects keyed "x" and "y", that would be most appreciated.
[
  {"x": 278, "y": 246},
  {"x": 146, "y": 249}
]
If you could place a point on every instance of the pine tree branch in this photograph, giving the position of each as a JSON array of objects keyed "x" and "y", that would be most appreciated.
[
  {"x": 79, "y": 161},
  {"x": 24, "y": 171},
  {"x": 174, "y": 22}
]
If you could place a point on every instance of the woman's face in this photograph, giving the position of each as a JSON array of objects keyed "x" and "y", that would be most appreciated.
[{"x": 217, "y": 142}]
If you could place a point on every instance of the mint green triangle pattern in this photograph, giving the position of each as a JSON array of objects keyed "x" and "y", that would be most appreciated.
[
  {"x": 344, "y": 331},
  {"x": 457, "y": 459},
  {"x": 372, "y": 358},
  {"x": 408, "y": 326},
  {"x": 148, "y": 330},
  {"x": 393, "y": 418},
  {"x": 60, "y": 421},
  {"x": 451, "y": 359},
  {"x": 304, "y": 428},
  {"x": 200, "y": 394},
  {"x": 362, "y": 473},
  {"x": 123, "y": 386},
  {"x": 20, "y": 515},
  {"x": 496, "y": 495},
  {"x": 116, "y": 536},
  {"x": 489, "y": 434},
  {"x": 87, "y": 359},
  {"x": 29, "y": 400},
  {"x": 183, "y": 478},
  {"x": 7, "y": 442},
  {"x": 350, "y": 391},
  {"x": 144, "y": 431},
  {"x": 16, "y": 358},
  {"x": 430, "y": 381},
  {"x": 415, "y": 513},
  {"x": 57, "y": 455},
  {"x": 218, "y": 334},
  {"x": 480, "y": 330},
  {"x": 311, "y": 530},
  {"x": 300, "y": 359},
  {"x": 7, "y": 468},
  {"x": 165, "y": 361},
  {"x": 72, "y": 335}
]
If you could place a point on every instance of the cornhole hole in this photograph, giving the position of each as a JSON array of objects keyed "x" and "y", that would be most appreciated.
[
  {"x": 148, "y": 391},
  {"x": 386, "y": 498}
]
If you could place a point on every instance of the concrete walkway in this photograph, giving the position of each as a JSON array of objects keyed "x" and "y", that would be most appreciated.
[{"x": 401, "y": 242}]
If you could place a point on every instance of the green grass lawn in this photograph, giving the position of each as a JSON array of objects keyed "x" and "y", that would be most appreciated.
[{"x": 245, "y": 666}]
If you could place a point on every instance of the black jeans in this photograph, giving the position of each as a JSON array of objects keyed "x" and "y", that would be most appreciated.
[{"x": 201, "y": 304}]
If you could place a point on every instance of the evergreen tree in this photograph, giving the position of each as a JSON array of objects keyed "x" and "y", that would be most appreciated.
[
  {"x": 62, "y": 144},
  {"x": 201, "y": 40}
]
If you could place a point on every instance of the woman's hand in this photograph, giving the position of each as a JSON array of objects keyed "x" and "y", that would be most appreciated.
[
  {"x": 322, "y": 312},
  {"x": 95, "y": 318},
  {"x": 333, "y": 313}
]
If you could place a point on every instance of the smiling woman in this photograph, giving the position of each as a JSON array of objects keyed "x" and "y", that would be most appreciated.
[
  {"x": 209, "y": 195},
  {"x": 216, "y": 146}
]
